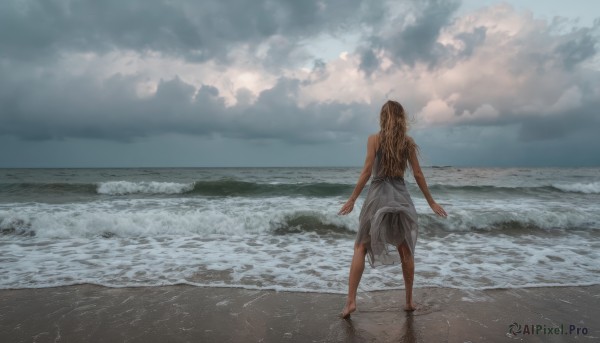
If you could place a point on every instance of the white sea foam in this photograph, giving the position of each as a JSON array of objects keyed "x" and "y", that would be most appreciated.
[
  {"x": 300, "y": 262},
  {"x": 144, "y": 187},
  {"x": 588, "y": 188},
  {"x": 230, "y": 242}
]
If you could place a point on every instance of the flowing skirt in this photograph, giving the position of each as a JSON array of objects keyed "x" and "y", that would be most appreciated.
[{"x": 387, "y": 219}]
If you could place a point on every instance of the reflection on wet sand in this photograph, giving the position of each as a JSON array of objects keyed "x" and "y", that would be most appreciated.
[
  {"x": 86, "y": 313},
  {"x": 372, "y": 327}
]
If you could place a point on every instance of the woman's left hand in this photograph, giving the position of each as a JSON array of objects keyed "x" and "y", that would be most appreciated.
[
  {"x": 347, "y": 208},
  {"x": 439, "y": 210}
]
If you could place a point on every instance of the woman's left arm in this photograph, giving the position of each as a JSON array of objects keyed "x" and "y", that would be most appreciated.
[
  {"x": 364, "y": 176},
  {"x": 420, "y": 178}
]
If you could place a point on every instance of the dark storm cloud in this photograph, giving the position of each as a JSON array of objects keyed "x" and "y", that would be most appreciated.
[
  {"x": 538, "y": 51},
  {"x": 195, "y": 30},
  {"x": 415, "y": 41},
  {"x": 563, "y": 124},
  {"x": 578, "y": 46},
  {"x": 38, "y": 102},
  {"x": 418, "y": 41},
  {"x": 546, "y": 90},
  {"x": 58, "y": 107},
  {"x": 537, "y": 125},
  {"x": 368, "y": 61},
  {"x": 61, "y": 108},
  {"x": 471, "y": 40},
  {"x": 500, "y": 146},
  {"x": 32, "y": 29},
  {"x": 276, "y": 114}
]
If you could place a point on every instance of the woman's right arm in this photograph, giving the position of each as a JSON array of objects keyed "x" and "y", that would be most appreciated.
[
  {"x": 420, "y": 178},
  {"x": 364, "y": 176}
]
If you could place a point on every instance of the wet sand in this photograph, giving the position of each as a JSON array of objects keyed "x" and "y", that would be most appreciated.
[{"x": 88, "y": 313}]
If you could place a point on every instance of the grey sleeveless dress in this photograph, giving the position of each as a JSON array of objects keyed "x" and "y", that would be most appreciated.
[{"x": 387, "y": 218}]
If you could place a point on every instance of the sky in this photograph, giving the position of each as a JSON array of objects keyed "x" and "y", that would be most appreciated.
[{"x": 212, "y": 83}]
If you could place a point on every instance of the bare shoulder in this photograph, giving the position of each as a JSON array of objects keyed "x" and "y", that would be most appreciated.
[
  {"x": 413, "y": 149},
  {"x": 411, "y": 143},
  {"x": 374, "y": 138},
  {"x": 373, "y": 141}
]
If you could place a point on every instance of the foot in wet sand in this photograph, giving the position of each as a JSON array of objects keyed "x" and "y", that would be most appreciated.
[
  {"x": 410, "y": 307},
  {"x": 348, "y": 309}
]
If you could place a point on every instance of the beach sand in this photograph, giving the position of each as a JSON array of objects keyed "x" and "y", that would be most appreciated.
[{"x": 88, "y": 313}]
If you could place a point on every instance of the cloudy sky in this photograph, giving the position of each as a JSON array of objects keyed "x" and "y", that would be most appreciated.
[{"x": 116, "y": 83}]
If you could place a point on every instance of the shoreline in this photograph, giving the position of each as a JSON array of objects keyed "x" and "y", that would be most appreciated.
[
  {"x": 182, "y": 313},
  {"x": 302, "y": 290}
]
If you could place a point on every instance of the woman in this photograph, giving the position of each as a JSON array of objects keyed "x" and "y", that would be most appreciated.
[{"x": 388, "y": 217}]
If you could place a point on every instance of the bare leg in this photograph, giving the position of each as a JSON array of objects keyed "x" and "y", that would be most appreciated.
[
  {"x": 408, "y": 272},
  {"x": 356, "y": 270}
]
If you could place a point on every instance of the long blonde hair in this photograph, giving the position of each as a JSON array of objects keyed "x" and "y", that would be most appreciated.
[{"x": 396, "y": 146}]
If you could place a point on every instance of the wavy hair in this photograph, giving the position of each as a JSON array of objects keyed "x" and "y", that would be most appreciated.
[{"x": 396, "y": 146}]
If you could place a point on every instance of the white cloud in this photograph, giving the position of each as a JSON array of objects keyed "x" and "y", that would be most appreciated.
[{"x": 437, "y": 111}]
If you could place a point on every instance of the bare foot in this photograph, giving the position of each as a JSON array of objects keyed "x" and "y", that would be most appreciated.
[
  {"x": 410, "y": 307},
  {"x": 349, "y": 308}
]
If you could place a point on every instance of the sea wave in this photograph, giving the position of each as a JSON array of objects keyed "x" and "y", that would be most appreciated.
[
  {"x": 175, "y": 217},
  {"x": 588, "y": 188},
  {"x": 274, "y": 216},
  {"x": 152, "y": 223},
  {"x": 151, "y": 187},
  {"x": 286, "y": 243},
  {"x": 245, "y": 188},
  {"x": 506, "y": 190},
  {"x": 225, "y": 187},
  {"x": 47, "y": 188},
  {"x": 233, "y": 187}
]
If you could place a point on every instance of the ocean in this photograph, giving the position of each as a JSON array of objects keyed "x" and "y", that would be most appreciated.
[{"x": 278, "y": 228}]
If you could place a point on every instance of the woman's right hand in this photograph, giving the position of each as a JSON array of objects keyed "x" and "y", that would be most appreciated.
[
  {"x": 347, "y": 208},
  {"x": 439, "y": 210}
]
